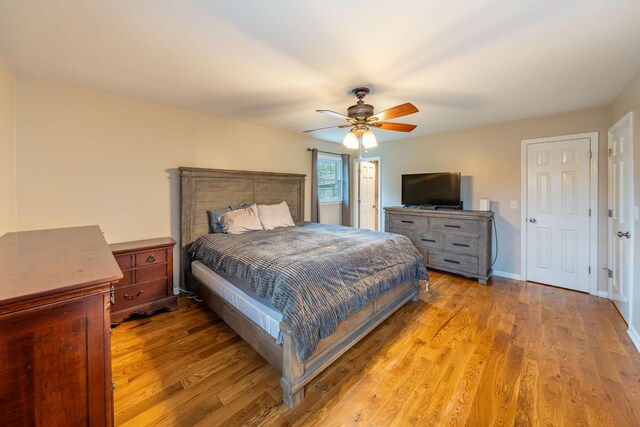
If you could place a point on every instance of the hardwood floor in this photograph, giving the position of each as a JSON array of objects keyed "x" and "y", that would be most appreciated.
[{"x": 504, "y": 354}]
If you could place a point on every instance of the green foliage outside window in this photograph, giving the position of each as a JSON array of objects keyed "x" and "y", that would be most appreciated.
[{"x": 329, "y": 179}]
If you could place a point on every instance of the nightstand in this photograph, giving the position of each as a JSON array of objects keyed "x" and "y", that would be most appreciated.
[{"x": 147, "y": 283}]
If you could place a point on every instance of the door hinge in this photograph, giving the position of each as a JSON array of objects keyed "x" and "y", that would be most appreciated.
[
  {"x": 591, "y": 154},
  {"x": 589, "y": 269},
  {"x": 610, "y": 151},
  {"x": 589, "y": 212},
  {"x": 610, "y": 213}
]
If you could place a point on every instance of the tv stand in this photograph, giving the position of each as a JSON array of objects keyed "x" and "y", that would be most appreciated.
[{"x": 455, "y": 241}]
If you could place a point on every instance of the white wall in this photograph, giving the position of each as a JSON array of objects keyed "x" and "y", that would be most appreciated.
[
  {"x": 629, "y": 100},
  {"x": 8, "y": 218},
  {"x": 331, "y": 213},
  {"x": 88, "y": 157},
  {"x": 489, "y": 159}
]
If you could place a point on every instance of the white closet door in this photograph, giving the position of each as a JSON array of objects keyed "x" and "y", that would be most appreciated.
[{"x": 558, "y": 213}]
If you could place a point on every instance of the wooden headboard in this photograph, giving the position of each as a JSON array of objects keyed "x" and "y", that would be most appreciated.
[{"x": 212, "y": 189}]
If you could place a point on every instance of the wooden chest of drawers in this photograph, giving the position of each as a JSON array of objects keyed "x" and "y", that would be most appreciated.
[
  {"x": 147, "y": 283},
  {"x": 454, "y": 241},
  {"x": 55, "y": 341}
]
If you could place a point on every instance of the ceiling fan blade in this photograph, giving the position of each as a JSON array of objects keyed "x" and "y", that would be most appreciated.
[
  {"x": 398, "y": 127},
  {"x": 328, "y": 127},
  {"x": 334, "y": 114},
  {"x": 397, "y": 111}
]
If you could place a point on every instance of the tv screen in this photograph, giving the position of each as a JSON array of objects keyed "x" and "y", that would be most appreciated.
[{"x": 434, "y": 189}]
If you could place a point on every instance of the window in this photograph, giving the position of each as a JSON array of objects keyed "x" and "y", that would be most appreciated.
[{"x": 329, "y": 179}]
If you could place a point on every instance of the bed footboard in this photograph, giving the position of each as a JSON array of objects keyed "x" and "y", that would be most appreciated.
[{"x": 296, "y": 375}]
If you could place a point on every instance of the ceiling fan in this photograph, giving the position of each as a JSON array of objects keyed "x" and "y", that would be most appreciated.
[{"x": 361, "y": 118}]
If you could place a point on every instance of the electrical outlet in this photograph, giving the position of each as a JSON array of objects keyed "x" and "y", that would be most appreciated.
[{"x": 513, "y": 204}]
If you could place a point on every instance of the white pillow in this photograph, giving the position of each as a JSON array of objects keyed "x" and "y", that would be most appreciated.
[
  {"x": 241, "y": 220},
  {"x": 275, "y": 216}
]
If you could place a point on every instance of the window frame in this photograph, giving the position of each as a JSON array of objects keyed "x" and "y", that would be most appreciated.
[{"x": 337, "y": 160}]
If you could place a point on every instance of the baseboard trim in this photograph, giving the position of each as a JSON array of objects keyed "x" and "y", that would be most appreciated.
[
  {"x": 506, "y": 275},
  {"x": 603, "y": 294},
  {"x": 634, "y": 337}
]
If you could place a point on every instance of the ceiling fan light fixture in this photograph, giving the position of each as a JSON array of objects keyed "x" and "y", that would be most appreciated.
[
  {"x": 350, "y": 140},
  {"x": 369, "y": 140}
]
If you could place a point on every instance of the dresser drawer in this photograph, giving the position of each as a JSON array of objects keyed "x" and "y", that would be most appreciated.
[
  {"x": 151, "y": 257},
  {"x": 461, "y": 244},
  {"x": 428, "y": 240},
  {"x": 413, "y": 223},
  {"x": 137, "y": 294},
  {"x": 125, "y": 262},
  {"x": 405, "y": 232},
  {"x": 462, "y": 263},
  {"x": 152, "y": 272},
  {"x": 461, "y": 227}
]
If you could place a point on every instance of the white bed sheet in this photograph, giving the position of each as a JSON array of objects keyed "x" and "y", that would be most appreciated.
[{"x": 264, "y": 316}]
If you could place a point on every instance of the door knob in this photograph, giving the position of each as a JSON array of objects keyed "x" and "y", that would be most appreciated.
[
  {"x": 532, "y": 220},
  {"x": 625, "y": 234}
]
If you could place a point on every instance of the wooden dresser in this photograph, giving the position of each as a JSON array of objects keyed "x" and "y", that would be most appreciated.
[
  {"x": 147, "y": 285},
  {"x": 453, "y": 241},
  {"x": 55, "y": 342}
]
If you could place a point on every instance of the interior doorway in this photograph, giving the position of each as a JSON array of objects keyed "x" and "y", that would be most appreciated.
[
  {"x": 621, "y": 215},
  {"x": 368, "y": 194},
  {"x": 559, "y": 211}
]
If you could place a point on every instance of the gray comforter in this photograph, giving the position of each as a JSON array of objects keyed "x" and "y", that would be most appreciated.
[{"x": 317, "y": 275}]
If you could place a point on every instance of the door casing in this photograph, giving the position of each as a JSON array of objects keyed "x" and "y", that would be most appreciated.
[{"x": 593, "y": 203}]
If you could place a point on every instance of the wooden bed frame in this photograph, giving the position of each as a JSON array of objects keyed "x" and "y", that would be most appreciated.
[{"x": 206, "y": 189}]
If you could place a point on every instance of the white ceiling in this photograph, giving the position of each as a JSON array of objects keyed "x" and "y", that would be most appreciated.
[{"x": 272, "y": 63}]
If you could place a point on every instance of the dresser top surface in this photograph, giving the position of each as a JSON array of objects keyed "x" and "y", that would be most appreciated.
[
  {"x": 441, "y": 212},
  {"x": 35, "y": 264},
  {"x": 139, "y": 245}
]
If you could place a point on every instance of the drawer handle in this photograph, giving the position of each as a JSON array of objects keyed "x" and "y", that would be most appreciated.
[
  {"x": 129, "y": 298},
  {"x": 461, "y": 244},
  {"x": 452, "y": 261},
  {"x": 406, "y": 221},
  {"x": 151, "y": 258},
  {"x": 451, "y": 226},
  {"x": 428, "y": 240}
]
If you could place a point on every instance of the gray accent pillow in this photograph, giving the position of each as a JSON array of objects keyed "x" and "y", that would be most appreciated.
[{"x": 214, "y": 216}]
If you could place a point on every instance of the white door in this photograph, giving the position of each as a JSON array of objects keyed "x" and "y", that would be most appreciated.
[
  {"x": 368, "y": 193},
  {"x": 621, "y": 214},
  {"x": 558, "y": 213}
]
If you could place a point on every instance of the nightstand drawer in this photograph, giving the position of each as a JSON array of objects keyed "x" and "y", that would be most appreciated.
[
  {"x": 152, "y": 272},
  {"x": 462, "y": 263},
  {"x": 125, "y": 262},
  {"x": 151, "y": 257},
  {"x": 127, "y": 278},
  {"x": 461, "y": 244},
  {"x": 454, "y": 226},
  {"x": 137, "y": 294}
]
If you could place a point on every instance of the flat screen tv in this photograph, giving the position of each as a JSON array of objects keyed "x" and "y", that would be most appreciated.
[{"x": 438, "y": 190}]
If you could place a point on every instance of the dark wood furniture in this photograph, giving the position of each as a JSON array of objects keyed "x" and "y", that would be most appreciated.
[
  {"x": 454, "y": 241},
  {"x": 147, "y": 283},
  {"x": 205, "y": 189},
  {"x": 55, "y": 342}
]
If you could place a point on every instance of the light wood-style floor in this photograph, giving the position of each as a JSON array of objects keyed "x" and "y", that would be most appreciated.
[{"x": 466, "y": 354}]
